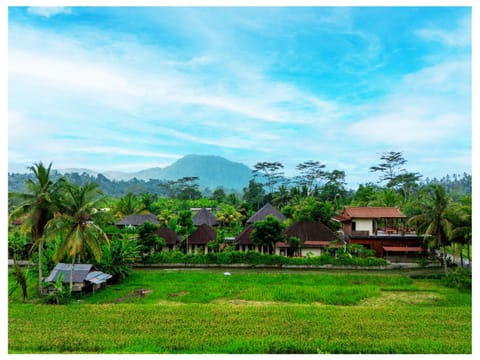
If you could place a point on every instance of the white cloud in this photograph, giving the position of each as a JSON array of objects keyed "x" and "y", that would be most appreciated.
[
  {"x": 457, "y": 37},
  {"x": 429, "y": 106},
  {"x": 49, "y": 11}
]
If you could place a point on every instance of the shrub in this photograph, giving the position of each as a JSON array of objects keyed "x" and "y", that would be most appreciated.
[
  {"x": 460, "y": 278},
  {"x": 255, "y": 258}
]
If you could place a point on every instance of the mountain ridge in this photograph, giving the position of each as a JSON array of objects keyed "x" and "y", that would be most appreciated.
[{"x": 212, "y": 170}]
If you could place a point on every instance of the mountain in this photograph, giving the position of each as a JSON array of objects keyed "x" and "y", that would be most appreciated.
[{"x": 212, "y": 171}]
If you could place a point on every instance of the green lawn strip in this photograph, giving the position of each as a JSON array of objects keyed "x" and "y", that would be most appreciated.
[{"x": 214, "y": 328}]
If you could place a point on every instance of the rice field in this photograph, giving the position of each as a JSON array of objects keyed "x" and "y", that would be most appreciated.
[{"x": 252, "y": 312}]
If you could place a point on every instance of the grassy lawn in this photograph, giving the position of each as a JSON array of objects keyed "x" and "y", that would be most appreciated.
[{"x": 252, "y": 311}]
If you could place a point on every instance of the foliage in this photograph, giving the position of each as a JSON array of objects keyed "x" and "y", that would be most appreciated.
[
  {"x": 433, "y": 222},
  {"x": 311, "y": 174},
  {"x": 118, "y": 258},
  {"x": 21, "y": 280},
  {"x": 254, "y": 195},
  {"x": 460, "y": 278},
  {"x": 37, "y": 207},
  {"x": 74, "y": 226},
  {"x": 59, "y": 293},
  {"x": 129, "y": 204},
  {"x": 148, "y": 240},
  {"x": 270, "y": 171},
  {"x": 268, "y": 232},
  {"x": 256, "y": 258},
  {"x": 18, "y": 245}
]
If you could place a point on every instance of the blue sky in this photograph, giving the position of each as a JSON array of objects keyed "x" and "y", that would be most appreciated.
[{"x": 110, "y": 88}]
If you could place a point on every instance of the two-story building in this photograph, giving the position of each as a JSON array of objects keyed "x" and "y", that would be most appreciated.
[{"x": 382, "y": 229}]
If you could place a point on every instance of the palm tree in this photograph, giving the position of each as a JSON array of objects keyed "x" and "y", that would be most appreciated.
[
  {"x": 75, "y": 226},
  {"x": 38, "y": 205},
  {"x": 433, "y": 220},
  {"x": 129, "y": 204},
  {"x": 460, "y": 218}
]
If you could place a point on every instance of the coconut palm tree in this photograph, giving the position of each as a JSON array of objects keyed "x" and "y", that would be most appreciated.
[
  {"x": 75, "y": 226},
  {"x": 37, "y": 205},
  {"x": 433, "y": 222},
  {"x": 460, "y": 218}
]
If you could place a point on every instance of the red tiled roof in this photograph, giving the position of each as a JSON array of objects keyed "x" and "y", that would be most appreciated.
[
  {"x": 371, "y": 213},
  {"x": 403, "y": 249}
]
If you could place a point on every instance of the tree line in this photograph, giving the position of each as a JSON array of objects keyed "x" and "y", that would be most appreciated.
[{"x": 68, "y": 219}]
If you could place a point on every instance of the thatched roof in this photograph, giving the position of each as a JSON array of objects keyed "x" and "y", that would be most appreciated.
[
  {"x": 202, "y": 235},
  {"x": 309, "y": 231},
  {"x": 204, "y": 216},
  {"x": 244, "y": 237},
  {"x": 138, "y": 219},
  {"x": 266, "y": 210},
  {"x": 170, "y": 236}
]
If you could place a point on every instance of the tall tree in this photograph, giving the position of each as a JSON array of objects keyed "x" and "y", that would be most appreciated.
[
  {"x": 311, "y": 173},
  {"x": 460, "y": 217},
  {"x": 390, "y": 167},
  {"x": 433, "y": 221},
  {"x": 270, "y": 171},
  {"x": 129, "y": 204},
  {"x": 254, "y": 195},
  {"x": 38, "y": 205},
  {"x": 268, "y": 232},
  {"x": 75, "y": 226},
  {"x": 185, "y": 226}
]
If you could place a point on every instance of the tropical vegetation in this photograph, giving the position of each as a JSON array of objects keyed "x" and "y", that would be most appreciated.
[{"x": 68, "y": 220}]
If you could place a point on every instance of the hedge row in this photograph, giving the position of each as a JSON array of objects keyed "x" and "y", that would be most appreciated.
[{"x": 256, "y": 258}]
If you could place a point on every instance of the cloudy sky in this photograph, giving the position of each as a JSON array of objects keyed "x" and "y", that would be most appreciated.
[{"x": 110, "y": 88}]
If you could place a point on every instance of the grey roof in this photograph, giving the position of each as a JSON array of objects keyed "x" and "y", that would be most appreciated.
[
  {"x": 138, "y": 219},
  {"x": 204, "y": 216},
  {"x": 266, "y": 210},
  {"x": 97, "y": 277},
  {"x": 81, "y": 273}
]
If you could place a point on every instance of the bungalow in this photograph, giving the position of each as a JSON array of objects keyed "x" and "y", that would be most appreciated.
[
  {"x": 199, "y": 239},
  {"x": 205, "y": 216},
  {"x": 85, "y": 277},
  {"x": 244, "y": 241},
  {"x": 266, "y": 210},
  {"x": 172, "y": 240},
  {"x": 134, "y": 220},
  {"x": 381, "y": 229},
  {"x": 315, "y": 238}
]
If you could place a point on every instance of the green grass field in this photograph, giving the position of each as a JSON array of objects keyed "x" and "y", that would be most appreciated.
[{"x": 252, "y": 311}]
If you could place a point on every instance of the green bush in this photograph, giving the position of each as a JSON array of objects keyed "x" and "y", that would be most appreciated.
[
  {"x": 460, "y": 278},
  {"x": 255, "y": 258}
]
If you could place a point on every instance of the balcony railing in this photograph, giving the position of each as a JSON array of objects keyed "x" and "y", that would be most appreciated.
[{"x": 385, "y": 232}]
